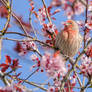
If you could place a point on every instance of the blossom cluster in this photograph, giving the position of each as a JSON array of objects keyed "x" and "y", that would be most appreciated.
[
  {"x": 42, "y": 15},
  {"x": 49, "y": 29},
  {"x": 69, "y": 85},
  {"x": 54, "y": 65},
  {"x": 70, "y": 7},
  {"x": 89, "y": 21},
  {"x": 86, "y": 66},
  {"x": 14, "y": 88},
  {"x": 25, "y": 46}
]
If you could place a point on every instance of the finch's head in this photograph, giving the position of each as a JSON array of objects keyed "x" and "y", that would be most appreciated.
[{"x": 72, "y": 25}]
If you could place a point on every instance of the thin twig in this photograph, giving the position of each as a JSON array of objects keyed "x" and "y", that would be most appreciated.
[
  {"x": 30, "y": 21},
  {"x": 31, "y": 83},
  {"x": 30, "y": 75},
  {"x": 8, "y": 6},
  {"x": 47, "y": 13},
  {"x": 83, "y": 83},
  {"x": 14, "y": 15},
  {"x": 5, "y": 81},
  {"x": 41, "y": 42},
  {"x": 83, "y": 88},
  {"x": 78, "y": 79}
]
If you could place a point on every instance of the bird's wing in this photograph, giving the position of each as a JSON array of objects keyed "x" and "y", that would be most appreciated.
[{"x": 62, "y": 37}]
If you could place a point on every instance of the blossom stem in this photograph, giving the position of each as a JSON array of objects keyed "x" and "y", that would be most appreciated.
[{"x": 48, "y": 16}]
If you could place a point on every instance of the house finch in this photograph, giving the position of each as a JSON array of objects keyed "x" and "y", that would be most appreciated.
[{"x": 68, "y": 41}]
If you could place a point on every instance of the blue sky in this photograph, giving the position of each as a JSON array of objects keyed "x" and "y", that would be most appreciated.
[{"x": 21, "y": 7}]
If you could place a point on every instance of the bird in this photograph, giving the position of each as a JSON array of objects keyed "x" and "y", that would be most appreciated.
[{"x": 69, "y": 40}]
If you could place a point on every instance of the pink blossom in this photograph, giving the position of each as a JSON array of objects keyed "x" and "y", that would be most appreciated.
[
  {"x": 89, "y": 21},
  {"x": 57, "y": 83},
  {"x": 69, "y": 13},
  {"x": 27, "y": 45},
  {"x": 51, "y": 27},
  {"x": 80, "y": 23},
  {"x": 51, "y": 89},
  {"x": 79, "y": 8},
  {"x": 34, "y": 57},
  {"x": 56, "y": 3},
  {"x": 42, "y": 15},
  {"x": 72, "y": 79},
  {"x": 53, "y": 65},
  {"x": 90, "y": 6},
  {"x": 86, "y": 66}
]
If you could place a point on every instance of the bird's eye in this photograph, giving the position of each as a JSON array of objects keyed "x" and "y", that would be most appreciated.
[{"x": 70, "y": 23}]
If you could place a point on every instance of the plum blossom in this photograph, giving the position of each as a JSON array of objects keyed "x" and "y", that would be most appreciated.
[
  {"x": 52, "y": 89},
  {"x": 89, "y": 51},
  {"x": 42, "y": 15},
  {"x": 51, "y": 27},
  {"x": 90, "y": 6},
  {"x": 27, "y": 45},
  {"x": 79, "y": 8},
  {"x": 34, "y": 57},
  {"x": 86, "y": 66},
  {"x": 12, "y": 88},
  {"x": 53, "y": 65},
  {"x": 48, "y": 29},
  {"x": 89, "y": 21},
  {"x": 56, "y": 3},
  {"x": 71, "y": 82},
  {"x": 69, "y": 13}
]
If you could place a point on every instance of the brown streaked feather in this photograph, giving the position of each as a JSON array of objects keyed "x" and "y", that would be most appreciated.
[{"x": 68, "y": 42}]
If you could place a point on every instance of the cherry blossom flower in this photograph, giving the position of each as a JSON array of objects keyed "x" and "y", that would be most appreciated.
[
  {"x": 49, "y": 29},
  {"x": 56, "y": 3},
  {"x": 42, "y": 15},
  {"x": 79, "y": 8},
  {"x": 23, "y": 47},
  {"x": 89, "y": 51},
  {"x": 90, "y": 6},
  {"x": 53, "y": 65},
  {"x": 70, "y": 85},
  {"x": 80, "y": 23},
  {"x": 34, "y": 57},
  {"x": 71, "y": 82},
  {"x": 89, "y": 21},
  {"x": 14, "y": 88},
  {"x": 51, "y": 89},
  {"x": 86, "y": 66},
  {"x": 69, "y": 13},
  {"x": 57, "y": 83}
]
